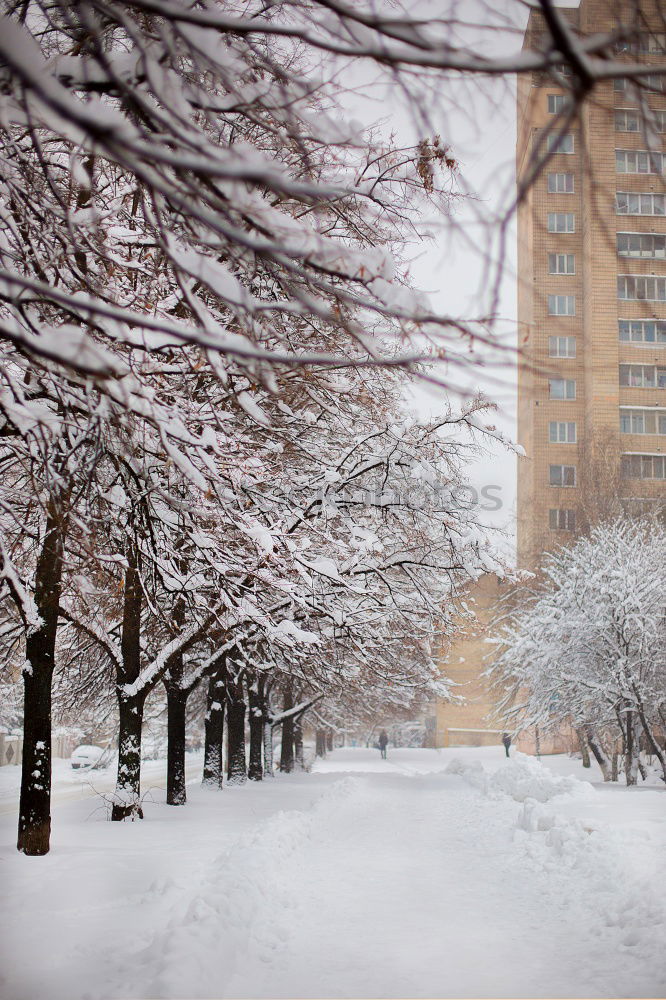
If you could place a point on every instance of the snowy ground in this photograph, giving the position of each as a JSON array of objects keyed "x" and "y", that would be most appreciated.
[{"x": 432, "y": 874}]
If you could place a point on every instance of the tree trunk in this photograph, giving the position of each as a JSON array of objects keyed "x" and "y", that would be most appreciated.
[
  {"x": 320, "y": 743},
  {"x": 597, "y": 749},
  {"x": 34, "y": 829},
  {"x": 615, "y": 769},
  {"x": 268, "y": 748},
  {"x": 213, "y": 769},
  {"x": 287, "y": 750},
  {"x": 329, "y": 740},
  {"x": 652, "y": 743},
  {"x": 236, "y": 764},
  {"x": 127, "y": 796},
  {"x": 632, "y": 754},
  {"x": 176, "y": 705},
  {"x": 299, "y": 759},
  {"x": 256, "y": 717},
  {"x": 584, "y": 751}
]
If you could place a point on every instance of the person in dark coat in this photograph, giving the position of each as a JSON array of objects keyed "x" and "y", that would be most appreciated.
[
  {"x": 506, "y": 740},
  {"x": 382, "y": 743}
]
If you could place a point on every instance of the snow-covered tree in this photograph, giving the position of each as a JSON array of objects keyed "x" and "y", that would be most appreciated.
[{"x": 588, "y": 646}]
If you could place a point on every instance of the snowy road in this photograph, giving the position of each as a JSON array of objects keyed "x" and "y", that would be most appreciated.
[{"x": 366, "y": 879}]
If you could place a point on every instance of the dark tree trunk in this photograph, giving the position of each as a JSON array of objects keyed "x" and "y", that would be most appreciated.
[
  {"x": 236, "y": 763},
  {"x": 299, "y": 760},
  {"x": 320, "y": 743},
  {"x": 632, "y": 750},
  {"x": 213, "y": 769},
  {"x": 34, "y": 829},
  {"x": 329, "y": 740},
  {"x": 287, "y": 751},
  {"x": 584, "y": 749},
  {"x": 176, "y": 705},
  {"x": 600, "y": 754},
  {"x": 127, "y": 798},
  {"x": 257, "y": 711},
  {"x": 652, "y": 743}
]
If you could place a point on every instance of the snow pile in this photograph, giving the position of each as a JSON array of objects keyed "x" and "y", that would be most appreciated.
[
  {"x": 521, "y": 778},
  {"x": 617, "y": 871},
  {"x": 471, "y": 771},
  {"x": 524, "y": 778},
  {"x": 243, "y": 913}
]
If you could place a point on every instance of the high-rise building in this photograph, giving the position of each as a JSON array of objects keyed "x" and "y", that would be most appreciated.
[{"x": 592, "y": 282}]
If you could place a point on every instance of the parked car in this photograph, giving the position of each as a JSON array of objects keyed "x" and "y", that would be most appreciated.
[{"x": 86, "y": 755}]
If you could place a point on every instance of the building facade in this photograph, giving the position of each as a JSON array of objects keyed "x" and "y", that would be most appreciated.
[{"x": 592, "y": 286}]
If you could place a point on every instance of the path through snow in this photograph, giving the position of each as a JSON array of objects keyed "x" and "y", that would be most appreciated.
[{"x": 400, "y": 879}]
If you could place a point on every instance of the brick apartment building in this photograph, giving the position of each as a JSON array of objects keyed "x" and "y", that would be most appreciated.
[
  {"x": 591, "y": 318},
  {"x": 592, "y": 287}
]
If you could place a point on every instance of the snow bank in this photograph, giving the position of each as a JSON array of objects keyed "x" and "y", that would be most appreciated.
[
  {"x": 243, "y": 912},
  {"x": 521, "y": 778},
  {"x": 614, "y": 867}
]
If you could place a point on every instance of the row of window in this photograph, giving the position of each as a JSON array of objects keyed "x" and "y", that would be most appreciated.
[
  {"x": 627, "y": 120},
  {"x": 629, "y": 203},
  {"x": 632, "y": 376},
  {"x": 627, "y": 161},
  {"x": 651, "y": 81},
  {"x": 639, "y": 161},
  {"x": 634, "y": 331},
  {"x": 642, "y": 331},
  {"x": 643, "y": 376},
  {"x": 631, "y": 467},
  {"x": 648, "y": 245},
  {"x": 631, "y": 422},
  {"x": 642, "y": 421},
  {"x": 653, "y": 42},
  {"x": 643, "y": 467},
  {"x": 641, "y": 288}
]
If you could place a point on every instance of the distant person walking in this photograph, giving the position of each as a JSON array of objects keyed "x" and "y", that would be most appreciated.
[
  {"x": 382, "y": 743},
  {"x": 506, "y": 740}
]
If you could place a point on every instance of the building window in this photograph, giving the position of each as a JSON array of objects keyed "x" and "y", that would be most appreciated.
[
  {"x": 650, "y": 245},
  {"x": 561, "y": 263},
  {"x": 643, "y": 467},
  {"x": 642, "y": 421},
  {"x": 627, "y": 203},
  {"x": 637, "y": 161},
  {"x": 560, "y": 183},
  {"x": 562, "y": 475},
  {"x": 643, "y": 376},
  {"x": 561, "y": 347},
  {"x": 620, "y": 84},
  {"x": 561, "y": 222},
  {"x": 642, "y": 331},
  {"x": 656, "y": 120},
  {"x": 562, "y": 432},
  {"x": 556, "y": 143},
  {"x": 633, "y": 287},
  {"x": 555, "y": 103},
  {"x": 627, "y": 121},
  {"x": 562, "y": 388},
  {"x": 562, "y": 520},
  {"x": 561, "y": 305}
]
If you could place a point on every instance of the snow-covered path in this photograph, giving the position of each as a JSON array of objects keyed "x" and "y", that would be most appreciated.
[{"x": 394, "y": 879}]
